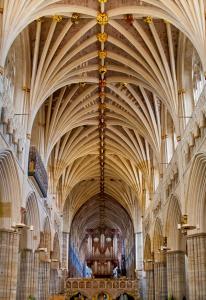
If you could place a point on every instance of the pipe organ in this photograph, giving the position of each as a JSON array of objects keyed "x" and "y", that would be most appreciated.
[{"x": 103, "y": 255}]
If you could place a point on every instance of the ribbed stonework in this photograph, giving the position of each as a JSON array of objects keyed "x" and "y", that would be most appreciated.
[
  {"x": 176, "y": 284},
  {"x": 160, "y": 275},
  {"x": 196, "y": 245},
  {"x": 150, "y": 284},
  {"x": 43, "y": 279},
  {"x": 65, "y": 250},
  {"x": 9, "y": 242},
  {"x": 54, "y": 282},
  {"x": 28, "y": 275}
]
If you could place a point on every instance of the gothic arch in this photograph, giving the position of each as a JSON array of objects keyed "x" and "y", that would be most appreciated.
[
  {"x": 173, "y": 218},
  {"x": 148, "y": 254},
  {"x": 56, "y": 248},
  {"x": 10, "y": 192},
  {"x": 196, "y": 192},
  {"x": 55, "y": 264},
  {"x": 45, "y": 241},
  {"x": 147, "y": 248},
  {"x": 157, "y": 240},
  {"x": 30, "y": 238}
]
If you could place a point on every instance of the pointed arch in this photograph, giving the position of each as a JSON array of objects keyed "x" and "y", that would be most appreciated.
[
  {"x": 47, "y": 235},
  {"x": 56, "y": 248},
  {"x": 157, "y": 240},
  {"x": 30, "y": 238},
  {"x": 147, "y": 248},
  {"x": 174, "y": 237},
  {"x": 196, "y": 192},
  {"x": 10, "y": 192}
]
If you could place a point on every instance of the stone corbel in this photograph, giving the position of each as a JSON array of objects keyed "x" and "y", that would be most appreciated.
[
  {"x": 15, "y": 137},
  {"x": 186, "y": 148},
  {"x": 196, "y": 131},
  {"x": 191, "y": 140},
  {"x": 202, "y": 122},
  {"x": 4, "y": 115},
  {"x": 20, "y": 146},
  {"x": 10, "y": 126}
]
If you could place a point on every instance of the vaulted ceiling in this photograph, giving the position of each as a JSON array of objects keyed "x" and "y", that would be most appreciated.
[{"x": 103, "y": 73}]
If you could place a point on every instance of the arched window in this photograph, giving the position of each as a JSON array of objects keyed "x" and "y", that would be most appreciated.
[{"x": 7, "y": 82}]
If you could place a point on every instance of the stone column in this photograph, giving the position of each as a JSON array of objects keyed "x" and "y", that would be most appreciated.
[
  {"x": 65, "y": 250},
  {"x": 160, "y": 276},
  {"x": 196, "y": 245},
  {"x": 27, "y": 277},
  {"x": 176, "y": 277},
  {"x": 55, "y": 277},
  {"x": 9, "y": 244},
  {"x": 54, "y": 282},
  {"x": 149, "y": 269},
  {"x": 43, "y": 275},
  {"x": 115, "y": 247},
  {"x": 139, "y": 263}
]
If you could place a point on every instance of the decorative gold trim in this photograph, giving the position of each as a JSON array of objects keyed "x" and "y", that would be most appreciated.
[
  {"x": 102, "y": 1},
  {"x": 102, "y": 54},
  {"x": 102, "y": 18},
  {"x": 26, "y": 89},
  {"x": 102, "y": 37},
  {"x": 148, "y": 19},
  {"x": 178, "y": 138},
  {"x": 75, "y": 18},
  {"x": 181, "y": 91},
  {"x": 102, "y": 69},
  {"x": 57, "y": 18},
  {"x": 102, "y": 106}
]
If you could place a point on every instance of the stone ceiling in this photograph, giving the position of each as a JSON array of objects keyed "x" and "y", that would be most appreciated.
[{"x": 102, "y": 75}]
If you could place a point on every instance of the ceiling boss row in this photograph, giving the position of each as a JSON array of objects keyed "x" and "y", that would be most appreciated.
[{"x": 102, "y": 20}]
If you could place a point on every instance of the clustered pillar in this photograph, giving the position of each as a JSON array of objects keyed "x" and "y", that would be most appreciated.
[
  {"x": 160, "y": 276},
  {"x": 176, "y": 277},
  {"x": 55, "y": 282},
  {"x": 28, "y": 275},
  {"x": 65, "y": 250},
  {"x": 149, "y": 269},
  {"x": 197, "y": 266},
  {"x": 33, "y": 275},
  {"x": 43, "y": 276},
  {"x": 167, "y": 278},
  {"x": 9, "y": 241}
]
